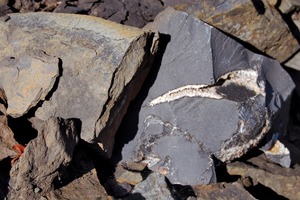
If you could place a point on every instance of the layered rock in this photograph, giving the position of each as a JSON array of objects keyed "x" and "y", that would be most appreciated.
[
  {"x": 80, "y": 179},
  {"x": 270, "y": 175},
  {"x": 285, "y": 6},
  {"x": 211, "y": 96},
  {"x": 222, "y": 191},
  {"x": 255, "y": 22},
  {"x": 27, "y": 79},
  {"x": 7, "y": 140},
  {"x": 73, "y": 66},
  {"x": 45, "y": 159}
]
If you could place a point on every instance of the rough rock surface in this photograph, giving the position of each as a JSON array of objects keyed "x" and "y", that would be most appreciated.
[
  {"x": 294, "y": 62},
  {"x": 123, "y": 175},
  {"x": 153, "y": 187},
  {"x": 285, "y": 182},
  {"x": 254, "y": 22},
  {"x": 26, "y": 78},
  {"x": 222, "y": 191},
  {"x": 285, "y": 6},
  {"x": 7, "y": 139},
  {"x": 211, "y": 96},
  {"x": 97, "y": 61},
  {"x": 80, "y": 180},
  {"x": 129, "y": 12},
  {"x": 45, "y": 159}
]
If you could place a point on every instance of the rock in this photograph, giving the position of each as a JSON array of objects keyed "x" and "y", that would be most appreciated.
[
  {"x": 119, "y": 190},
  {"x": 26, "y": 79},
  {"x": 3, "y": 102},
  {"x": 269, "y": 178},
  {"x": 44, "y": 160},
  {"x": 278, "y": 153},
  {"x": 123, "y": 175},
  {"x": 130, "y": 12},
  {"x": 222, "y": 191},
  {"x": 285, "y": 6},
  {"x": 100, "y": 63},
  {"x": 7, "y": 139},
  {"x": 211, "y": 96},
  {"x": 153, "y": 187},
  {"x": 80, "y": 180},
  {"x": 4, "y": 8},
  {"x": 294, "y": 62},
  {"x": 254, "y": 22}
]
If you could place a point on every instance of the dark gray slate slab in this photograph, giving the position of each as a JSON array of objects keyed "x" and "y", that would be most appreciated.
[{"x": 211, "y": 96}]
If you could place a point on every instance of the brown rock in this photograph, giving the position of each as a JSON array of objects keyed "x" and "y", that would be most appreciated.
[
  {"x": 6, "y": 139},
  {"x": 222, "y": 191},
  {"x": 80, "y": 181},
  {"x": 45, "y": 159},
  {"x": 100, "y": 63},
  {"x": 284, "y": 183},
  {"x": 3, "y": 101},
  {"x": 26, "y": 79},
  {"x": 255, "y": 22},
  {"x": 123, "y": 175},
  {"x": 285, "y": 6}
]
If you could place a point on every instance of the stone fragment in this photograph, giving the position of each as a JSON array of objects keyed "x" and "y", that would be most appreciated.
[
  {"x": 45, "y": 159},
  {"x": 123, "y": 175},
  {"x": 119, "y": 190},
  {"x": 254, "y": 22},
  {"x": 211, "y": 96},
  {"x": 222, "y": 191},
  {"x": 277, "y": 153},
  {"x": 26, "y": 79},
  {"x": 80, "y": 180},
  {"x": 3, "y": 102},
  {"x": 153, "y": 187},
  {"x": 100, "y": 63},
  {"x": 294, "y": 62},
  {"x": 135, "y": 13},
  {"x": 285, "y": 6},
  {"x": 286, "y": 185},
  {"x": 7, "y": 139}
]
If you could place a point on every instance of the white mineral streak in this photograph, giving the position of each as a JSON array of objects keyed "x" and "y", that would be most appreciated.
[
  {"x": 187, "y": 91},
  {"x": 247, "y": 78}
]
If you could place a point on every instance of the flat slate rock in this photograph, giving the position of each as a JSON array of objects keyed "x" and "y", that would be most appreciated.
[
  {"x": 211, "y": 96},
  {"x": 77, "y": 66}
]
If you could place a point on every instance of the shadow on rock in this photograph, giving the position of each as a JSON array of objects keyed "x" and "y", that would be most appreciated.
[{"x": 129, "y": 125}]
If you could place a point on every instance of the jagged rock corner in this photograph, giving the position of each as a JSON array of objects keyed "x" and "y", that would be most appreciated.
[
  {"x": 85, "y": 68},
  {"x": 67, "y": 71}
]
